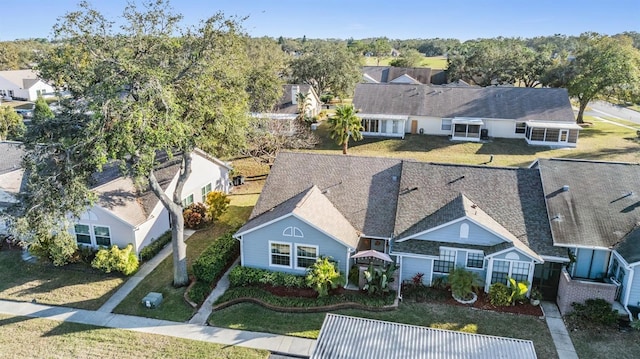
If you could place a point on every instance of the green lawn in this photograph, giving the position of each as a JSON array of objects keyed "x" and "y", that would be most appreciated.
[
  {"x": 255, "y": 318},
  {"x": 66, "y": 286},
  {"x": 602, "y": 141},
  {"x": 173, "y": 306},
  {"x": 436, "y": 62},
  {"x": 40, "y": 338},
  {"x": 604, "y": 342}
]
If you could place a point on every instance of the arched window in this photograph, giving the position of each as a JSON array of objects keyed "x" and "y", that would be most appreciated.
[
  {"x": 464, "y": 231},
  {"x": 292, "y": 232},
  {"x": 89, "y": 216}
]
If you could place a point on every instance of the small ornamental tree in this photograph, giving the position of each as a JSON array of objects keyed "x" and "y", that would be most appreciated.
[
  {"x": 324, "y": 275},
  {"x": 11, "y": 124},
  {"x": 195, "y": 215},
  {"x": 217, "y": 203}
]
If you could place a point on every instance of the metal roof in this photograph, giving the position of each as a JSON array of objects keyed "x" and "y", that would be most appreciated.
[{"x": 350, "y": 338}]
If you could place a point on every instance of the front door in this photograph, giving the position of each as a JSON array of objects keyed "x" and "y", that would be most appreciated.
[{"x": 414, "y": 126}]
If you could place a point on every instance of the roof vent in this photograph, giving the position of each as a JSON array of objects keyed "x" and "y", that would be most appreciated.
[
  {"x": 394, "y": 178},
  {"x": 565, "y": 188}
]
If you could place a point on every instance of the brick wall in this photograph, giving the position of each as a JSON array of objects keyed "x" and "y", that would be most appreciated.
[{"x": 575, "y": 290}]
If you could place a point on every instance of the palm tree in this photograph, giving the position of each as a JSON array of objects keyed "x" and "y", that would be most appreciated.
[{"x": 345, "y": 124}]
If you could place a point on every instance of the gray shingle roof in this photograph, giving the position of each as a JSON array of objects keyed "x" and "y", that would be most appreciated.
[
  {"x": 312, "y": 206},
  {"x": 385, "y": 74},
  {"x": 510, "y": 202},
  {"x": 522, "y": 104},
  {"x": 363, "y": 189},
  {"x": 355, "y": 338},
  {"x": 629, "y": 247},
  {"x": 11, "y": 156},
  {"x": 601, "y": 205}
]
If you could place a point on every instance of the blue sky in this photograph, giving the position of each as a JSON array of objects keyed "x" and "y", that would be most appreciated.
[{"x": 395, "y": 19}]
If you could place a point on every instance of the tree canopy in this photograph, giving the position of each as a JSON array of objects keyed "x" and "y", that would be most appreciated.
[
  {"x": 150, "y": 87},
  {"x": 327, "y": 67},
  {"x": 11, "y": 124}
]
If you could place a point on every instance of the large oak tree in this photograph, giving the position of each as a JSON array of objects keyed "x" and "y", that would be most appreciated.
[{"x": 150, "y": 86}]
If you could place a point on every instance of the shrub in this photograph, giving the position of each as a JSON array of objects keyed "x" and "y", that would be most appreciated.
[
  {"x": 354, "y": 275},
  {"x": 596, "y": 311},
  {"x": 324, "y": 275},
  {"x": 518, "y": 290},
  {"x": 84, "y": 255},
  {"x": 155, "y": 247},
  {"x": 217, "y": 203},
  {"x": 58, "y": 248},
  {"x": 378, "y": 279},
  {"x": 199, "y": 292},
  {"x": 416, "y": 280},
  {"x": 439, "y": 282},
  {"x": 195, "y": 215},
  {"x": 213, "y": 261},
  {"x": 116, "y": 259},
  {"x": 245, "y": 276},
  {"x": 462, "y": 283},
  {"x": 499, "y": 294}
]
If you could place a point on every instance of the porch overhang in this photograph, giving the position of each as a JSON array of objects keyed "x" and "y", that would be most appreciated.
[{"x": 564, "y": 125}]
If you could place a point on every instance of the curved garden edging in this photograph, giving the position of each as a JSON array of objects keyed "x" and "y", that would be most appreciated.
[{"x": 325, "y": 308}]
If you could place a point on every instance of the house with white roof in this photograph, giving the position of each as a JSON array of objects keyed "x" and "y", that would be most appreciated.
[{"x": 23, "y": 85}]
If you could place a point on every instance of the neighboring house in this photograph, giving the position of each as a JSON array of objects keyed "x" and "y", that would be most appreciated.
[
  {"x": 355, "y": 338},
  {"x": 403, "y": 75},
  {"x": 23, "y": 85},
  {"x": 124, "y": 215},
  {"x": 498, "y": 222},
  {"x": 541, "y": 116},
  {"x": 288, "y": 107},
  {"x": 594, "y": 211},
  {"x": 11, "y": 176}
]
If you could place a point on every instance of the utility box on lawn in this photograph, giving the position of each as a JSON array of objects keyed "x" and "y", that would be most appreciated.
[{"x": 152, "y": 300}]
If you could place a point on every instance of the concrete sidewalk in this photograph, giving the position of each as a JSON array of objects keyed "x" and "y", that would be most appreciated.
[
  {"x": 142, "y": 272},
  {"x": 271, "y": 342},
  {"x": 561, "y": 339},
  {"x": 207, "y": 307}
]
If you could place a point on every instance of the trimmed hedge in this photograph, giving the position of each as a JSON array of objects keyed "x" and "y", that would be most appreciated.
[
  {"x": 123, "y": 260},
  {"x": 214, "y": 260},
  {"x": 500, "y": 295},
  {"x": 245, "y": 276},
  {"x": 155, "y": 247},
  {"x": 297, "y": 302}
]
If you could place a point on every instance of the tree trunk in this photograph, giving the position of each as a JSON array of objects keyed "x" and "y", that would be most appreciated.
[
  {"x": 583, "y": 106},
  {"x": 180, "y": 274},
  {"x": 345, "y": 145},
  {"x": 174, "y": 207}
]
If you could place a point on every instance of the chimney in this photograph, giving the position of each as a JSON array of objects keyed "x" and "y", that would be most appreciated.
[{"x": 294, "y": 94}]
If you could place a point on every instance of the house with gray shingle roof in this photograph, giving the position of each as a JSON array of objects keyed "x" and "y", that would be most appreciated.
[
  {"x": 429, "y": 217},
  {"x": 594, "y": 213},
  {"x": 541, "y": 116},
  {"x": 571, "y": 228},
  {"x": 126, "y": 214},
  {"x": 289, "y": 106}
]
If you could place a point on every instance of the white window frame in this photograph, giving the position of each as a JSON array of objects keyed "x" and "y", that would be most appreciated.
[
  {"x": 464, "y": 231},
  {"x": 204, "y": 191},
  {"x": 466, "y": 259},
  {"x": 455, "y": 260},
  {"x": 510, "y": 273},
  {"x": 444, "y": 122},
  {"x": 95, "y": 236},
  {"x": 305, "y": 245},
  {"x": 184, "y": 201},
  {"x": 523, "y": 129},
  {"x": 84, "y": 234},
  {"x": 293, "y": 231},
  {"x": 291, "y": 255}
]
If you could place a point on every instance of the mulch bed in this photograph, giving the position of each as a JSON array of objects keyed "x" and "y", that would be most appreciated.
[{"x": 299, "y": 292}]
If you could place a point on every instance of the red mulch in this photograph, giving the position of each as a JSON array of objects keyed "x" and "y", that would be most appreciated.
[{"x": 483, "y": 303}]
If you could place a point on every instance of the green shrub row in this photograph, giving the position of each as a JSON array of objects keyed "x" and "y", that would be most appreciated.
[
  {"x": 155, "y": 247},
  {"x": 213, "y": 261},
  {"x": 199, "y": 292},
  {"x": 245, "y": 276},
  {"x": 124, "y": 260},
  {"x": 265, "y": 296}
]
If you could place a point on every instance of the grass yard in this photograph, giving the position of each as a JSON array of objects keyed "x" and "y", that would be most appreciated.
[
  {"x": 602, "y": 141},
  {"x": 604, "y": 342},
  {"x": 40, "y": 338},
  {"x": 435, "y": 62},
  {"x": 159, "y": 280},
  {"x": 66, "y": 286},
  {"x": 255, "y": 318}
]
